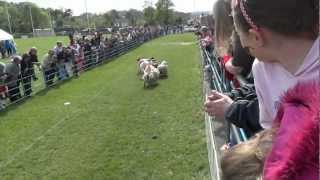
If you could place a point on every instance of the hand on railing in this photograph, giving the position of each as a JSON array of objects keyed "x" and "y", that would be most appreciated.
[
  {"x": 234, "y": 70},
  {"x": 217, "y": 104}
]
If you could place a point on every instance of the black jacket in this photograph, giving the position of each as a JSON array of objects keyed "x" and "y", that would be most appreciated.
[{"x": 244, "y": 112}]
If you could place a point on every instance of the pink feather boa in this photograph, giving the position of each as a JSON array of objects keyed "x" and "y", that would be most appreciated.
[{"x": 295, "y": 152}]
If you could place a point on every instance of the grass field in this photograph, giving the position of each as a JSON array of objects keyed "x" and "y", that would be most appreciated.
[{"x": 113, "y": 129}]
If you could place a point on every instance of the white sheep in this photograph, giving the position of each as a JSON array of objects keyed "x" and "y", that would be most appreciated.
[
  {"x": 163, "y": 69},
  {"x": 150, "y": 76},
  {"x": 142, "y": 63}
]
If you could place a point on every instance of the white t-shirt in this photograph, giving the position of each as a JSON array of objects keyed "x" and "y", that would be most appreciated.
[{"x": 272, "y": 81}]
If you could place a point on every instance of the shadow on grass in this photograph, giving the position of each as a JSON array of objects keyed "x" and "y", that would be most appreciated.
[
  {"x": 15, "y": 106},
  {"x": 24, "y": 99},
  {"x": 44, "y": 92}
]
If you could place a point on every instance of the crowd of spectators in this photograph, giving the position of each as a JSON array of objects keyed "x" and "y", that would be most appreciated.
[
  {"x": 63, "y": 61},
  {"x": 7, "y": 48},
  {"x": 274, "y": 46}
]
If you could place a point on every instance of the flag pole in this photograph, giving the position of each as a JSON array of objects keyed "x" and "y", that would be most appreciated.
[
  {"x": 31, "y": 20},
  {"x": 8, "y": 16}
]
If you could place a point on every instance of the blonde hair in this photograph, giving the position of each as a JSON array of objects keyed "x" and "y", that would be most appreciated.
[
  {"x": 223, "y": 26},
  {"x": 245, "y": 160}
]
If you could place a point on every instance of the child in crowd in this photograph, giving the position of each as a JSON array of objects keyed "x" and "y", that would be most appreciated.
[{"x": 283, "y": 36}]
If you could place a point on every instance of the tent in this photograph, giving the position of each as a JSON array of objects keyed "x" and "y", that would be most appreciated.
[{"x": 5, "y": 36}]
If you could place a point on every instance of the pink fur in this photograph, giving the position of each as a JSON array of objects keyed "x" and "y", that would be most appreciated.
[{"x": 295, "y": 152}]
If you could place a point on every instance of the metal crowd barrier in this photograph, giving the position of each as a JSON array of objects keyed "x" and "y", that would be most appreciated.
[
  {"x": 97, "y": 56},
  {"x": 221, "y": 84},
  {"x": 231, "y": 134}
]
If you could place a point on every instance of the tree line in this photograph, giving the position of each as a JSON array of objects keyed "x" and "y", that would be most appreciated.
[{"x": 16, "y": 17}]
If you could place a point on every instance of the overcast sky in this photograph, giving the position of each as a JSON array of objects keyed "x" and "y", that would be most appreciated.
[{"x": 100, "y": 6}]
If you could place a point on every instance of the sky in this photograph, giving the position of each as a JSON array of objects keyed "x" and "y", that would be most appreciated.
[{"x": 101, "y": 6}]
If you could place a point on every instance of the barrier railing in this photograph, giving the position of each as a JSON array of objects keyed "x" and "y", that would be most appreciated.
[
  {"x": 232, "y": 134},
  {"x": 221, "y": 84},
  {"x": 67, "y": 70}
]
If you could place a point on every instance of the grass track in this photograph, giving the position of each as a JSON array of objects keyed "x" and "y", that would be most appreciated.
[{"x": 113, "y": 129}]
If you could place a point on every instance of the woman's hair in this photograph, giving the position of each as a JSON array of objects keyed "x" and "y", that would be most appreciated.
[
  {"x": 241, "y": 57},
  {"x": 245, "y": 160},
  {"x": 286, "y": 17},
  {"x": 223, "y": 26}
]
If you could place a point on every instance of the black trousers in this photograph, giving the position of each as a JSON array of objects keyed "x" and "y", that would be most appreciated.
[
  {"x": 49, "y": 76},
  {"x": 26, "y": 82},
  {"x": 14, "y": 92}
]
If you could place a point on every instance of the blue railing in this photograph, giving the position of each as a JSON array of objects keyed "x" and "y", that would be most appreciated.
[{"x": 219, "y": 132}]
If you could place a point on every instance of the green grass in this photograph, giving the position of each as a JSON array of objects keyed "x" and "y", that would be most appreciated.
[{"x": 113, "y": 129}]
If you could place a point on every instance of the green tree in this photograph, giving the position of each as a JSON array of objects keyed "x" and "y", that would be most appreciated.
[
  {"x": 133, "y": 16},
  {"x": 107, "y": 19},
  {"x": 114, "y": 14},
  {"x": 21, "y": 20},
  {"x": 149, "y": 15},
  {"x": 164, "y": 13},
  {"x": 3, "y": 16}
]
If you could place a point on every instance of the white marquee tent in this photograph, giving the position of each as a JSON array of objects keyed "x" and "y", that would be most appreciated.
[{"x": 5, "y": 36}]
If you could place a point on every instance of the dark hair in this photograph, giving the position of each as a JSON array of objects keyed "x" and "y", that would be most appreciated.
[
  {"x": 286, "y": 17},
  {"x": 241, "y": 57}
]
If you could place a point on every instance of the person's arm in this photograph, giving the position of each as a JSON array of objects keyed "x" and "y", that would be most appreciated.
[
  {"x": 234, "y": 70},
  {"x": 245, "y": 114},
  {"x": 247, "y": 92}
]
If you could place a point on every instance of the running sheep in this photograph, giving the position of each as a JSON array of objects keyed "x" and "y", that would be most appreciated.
[
  {"x": 163, "y": 69},
  {"x": 150, "y": 76}
]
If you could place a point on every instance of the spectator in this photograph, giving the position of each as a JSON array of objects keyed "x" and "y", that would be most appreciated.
[
  {"x": 61, "y": 66},
  {"x": 69, "y": 60},
  {"x": 240, "y": 106},
  {"x": 87, "y": 48},
  {"x": 27, "y": 70},
  {"x": 79, "y": 57},
  {"x": 207, "y": 39},
  {"x": 298, "y": 159},
  {"x": 12, "y": 47},
  {"x": 59, "y": 50},
  {"x": 26, "y": 73},
  {"x": 245, "y": 161},
  {"x": 49, "y": 67},
  {"x": 33, "y": 53},
  {"x": 8, "y": 47},
  {"x": 2, "y": 49},
  {"x": 241, "y": 62},
  {"x": 3, "y": 87},
  {"x": 286, "y": 45},
  {"x": 13, "y": 78},
  {"x": 223, "y": 26},
  {"x": 291, "y": 55}
]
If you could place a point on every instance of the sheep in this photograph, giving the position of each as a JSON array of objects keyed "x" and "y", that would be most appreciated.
[
  {"x": 163, "y": 69},
  {"x": 150, "y": 76},
  {"x": 142, "y": 63}
]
